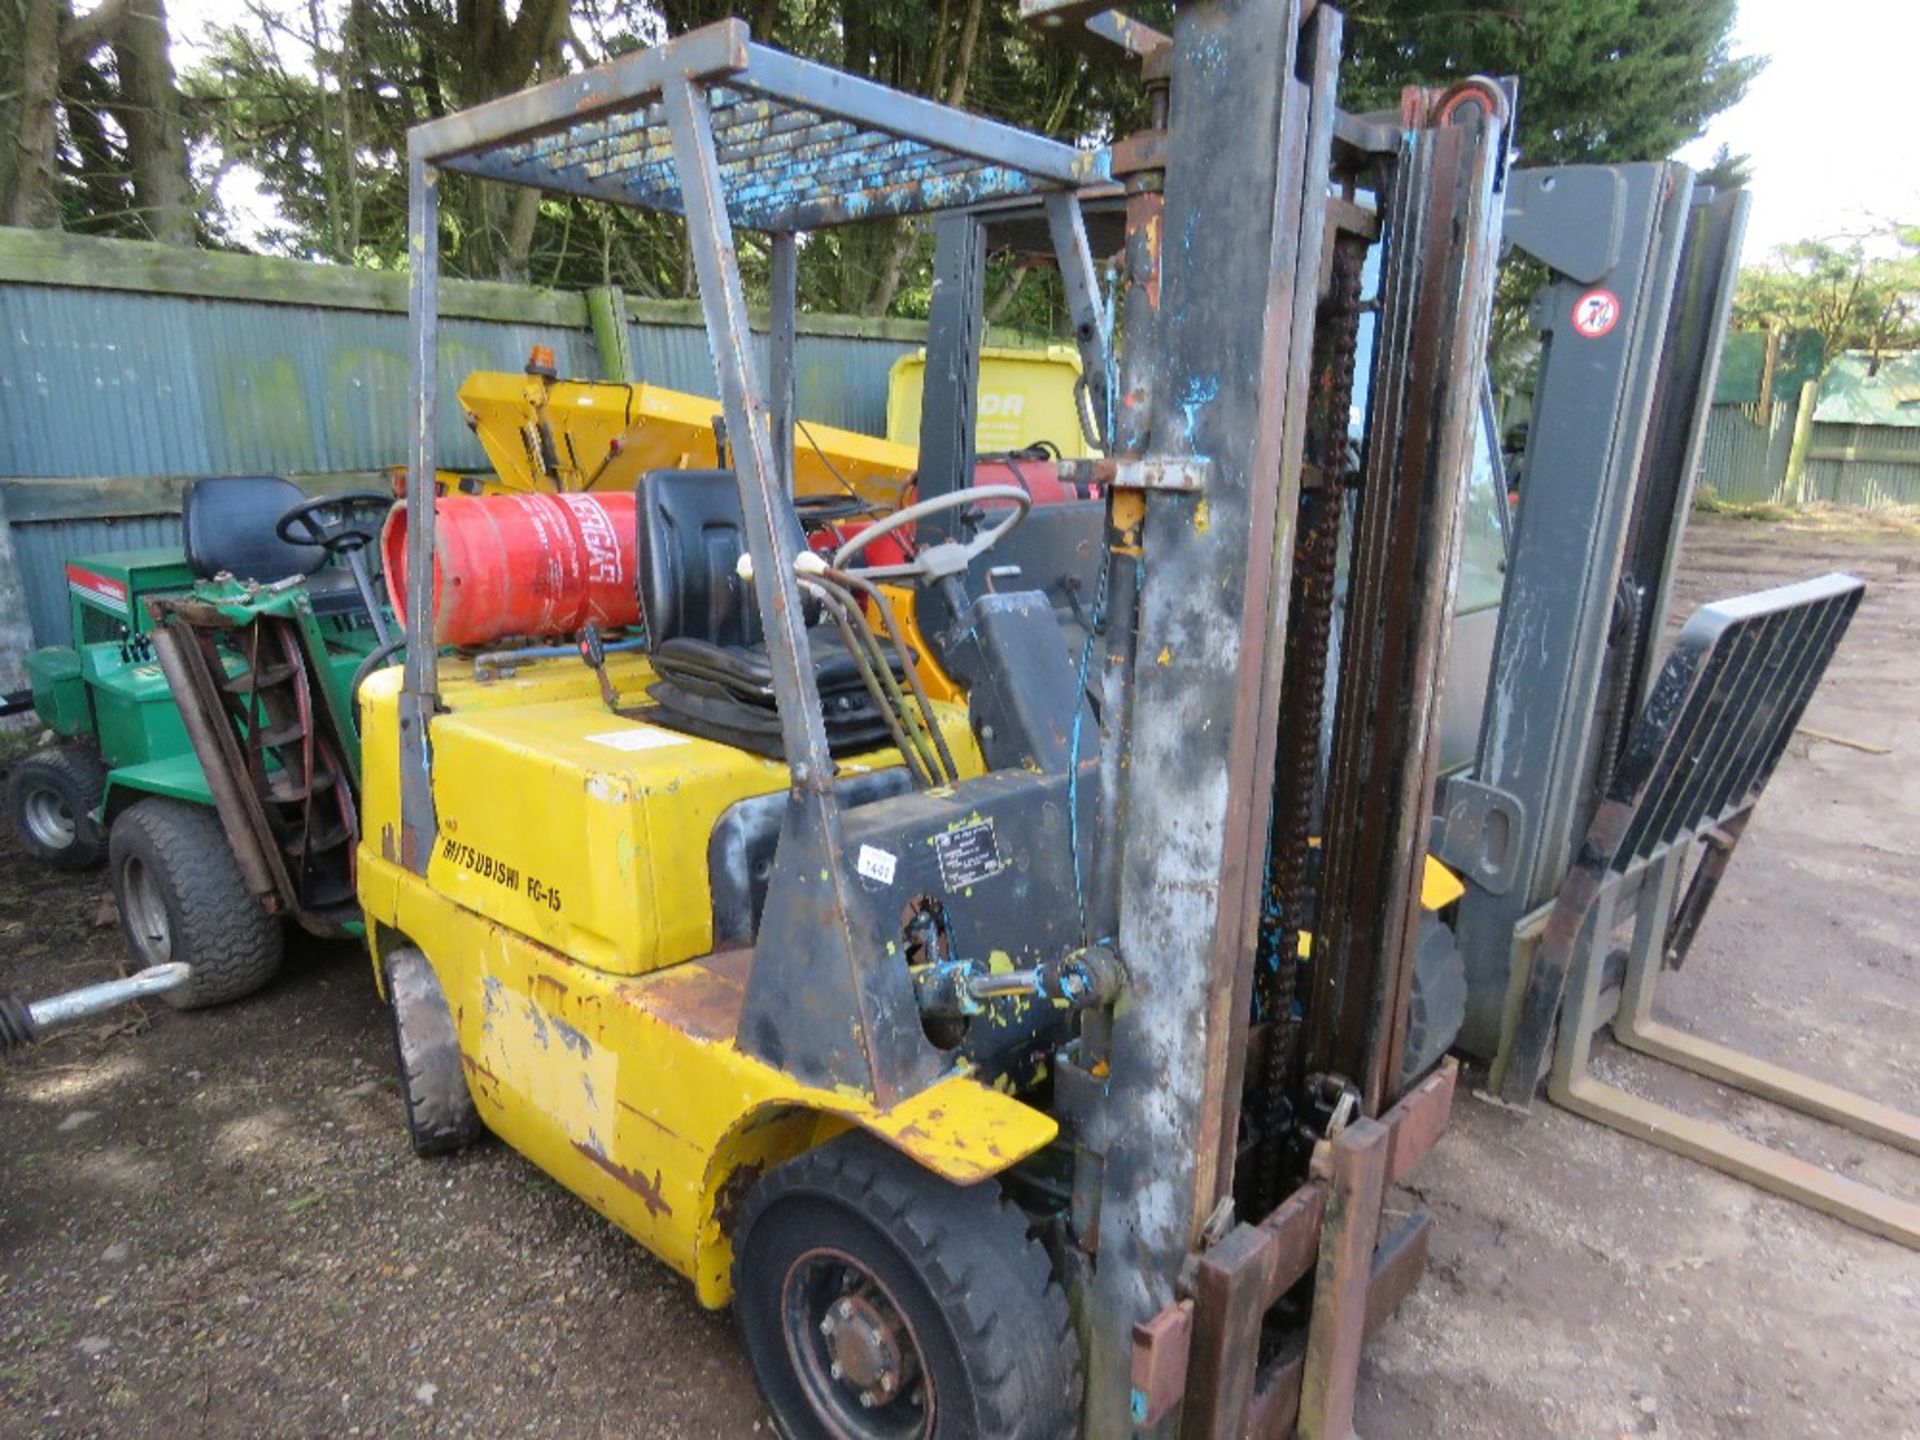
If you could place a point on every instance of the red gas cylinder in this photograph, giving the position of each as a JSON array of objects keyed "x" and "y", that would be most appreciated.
[
  {"x": 887, "y": 550},
  {"x": 522, "y": 565},
  {"x": 1038, "y": 476}
]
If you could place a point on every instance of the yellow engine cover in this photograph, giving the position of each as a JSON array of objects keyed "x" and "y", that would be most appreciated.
[
  {"x": 580, "y": 828},
  {"x": 567, "y": 915}
]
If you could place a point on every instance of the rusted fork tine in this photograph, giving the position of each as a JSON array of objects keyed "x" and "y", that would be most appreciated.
[{"x": 1204, "y": 1350}]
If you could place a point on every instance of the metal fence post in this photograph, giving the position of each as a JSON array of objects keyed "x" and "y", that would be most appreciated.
[
  {"x": 607, "y": 313},
  {"x": 1795, "y": 483}
]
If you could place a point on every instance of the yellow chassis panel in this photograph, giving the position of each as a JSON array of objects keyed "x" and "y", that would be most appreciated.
[
  {"x": 594, "y": 1049},
  {"x": 632, "y": 1094}
]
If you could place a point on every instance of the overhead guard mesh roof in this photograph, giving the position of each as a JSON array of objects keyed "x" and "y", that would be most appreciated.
[{"x": 799, "y": 145}]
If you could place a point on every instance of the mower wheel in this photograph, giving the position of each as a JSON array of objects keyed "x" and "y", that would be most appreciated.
[
  {"x": 433, "y": 1084},
  {"x": 181, "y": 897},
  {"x": 52, "y": 795},
  {"x": 876, "y": 1300}
]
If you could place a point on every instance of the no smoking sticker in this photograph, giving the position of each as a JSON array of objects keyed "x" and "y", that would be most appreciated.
[{"x": 1595, "y": 313}]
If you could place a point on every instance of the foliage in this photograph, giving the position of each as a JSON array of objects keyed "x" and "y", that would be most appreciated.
[
  {"x": 1600, "y": 80},
  {"x": 1857, "y": 292},
  {"x": 315, "y": 97},
  {"x": 1726, "y": 171},
  {"x": 1707, "y": 501},
  {"x": 91, "y": 137},
  {"x": 318, "y": 101}
]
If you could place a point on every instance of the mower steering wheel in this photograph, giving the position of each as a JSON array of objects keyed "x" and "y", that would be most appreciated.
[
  {"x": 949, "y": 557},
  {"x": 301, "y": 524}
]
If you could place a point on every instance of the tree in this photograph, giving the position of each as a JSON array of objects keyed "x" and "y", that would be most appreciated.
[
  {"x": 283, "y": 88},
  {"x": 1857, "y": 292},
  {"x": 1726, "y": 171},
  {"x": 1600, "y": 80},
  {"x": 317, "y": 99},
  {"x": 94, "y": 144},
  {"x": 31, "y": 168},
  {"x": 149, "y": 116}
]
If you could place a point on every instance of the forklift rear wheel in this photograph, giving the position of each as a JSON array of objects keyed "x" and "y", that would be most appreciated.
[
  {"x": 52, "y": 796},
  {"x": 433, "y": 1084},
  {"x": 876, "y": 1300},
  {"x": 181, "y": 897}
]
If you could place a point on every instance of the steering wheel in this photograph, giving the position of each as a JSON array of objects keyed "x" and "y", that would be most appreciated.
[
  {"x": 302, "y": 524},
  {"x": 949, "y": 557}
]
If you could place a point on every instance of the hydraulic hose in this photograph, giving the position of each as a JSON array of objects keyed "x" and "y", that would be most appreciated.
[
  {"x": 894, "y": 633},
  {"x": 837, "y": 604}
]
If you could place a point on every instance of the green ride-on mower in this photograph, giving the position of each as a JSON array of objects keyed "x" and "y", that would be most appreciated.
[{"x": 208, "y": 749}]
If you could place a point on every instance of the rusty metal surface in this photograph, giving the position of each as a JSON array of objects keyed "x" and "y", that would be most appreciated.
[
  {"x": 1436, "y": 294},
  {"x": 1397, "y": 1267},
  {"x": 1230, "y": 1300},
  {"x": 1419, "y": 1119},
  {"x": 1160, "y": 1350},
  {"x": 1301, "y": 243},
  {"x": 702, "y": 997},
  {"x": 1239, "y": 1280},
  {"x": 796, "y": 145},
  {"x": 193, "y": 675},
  {"x": 1357, "y": 1173},
  {"x": 1218, "y": 380},
  {"x": 1303, "y": 684}
]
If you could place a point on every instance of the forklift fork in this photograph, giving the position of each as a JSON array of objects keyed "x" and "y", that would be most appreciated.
[
  {"x": 1206, "y": 1347},
  {"x": 1715, "y": 725}
]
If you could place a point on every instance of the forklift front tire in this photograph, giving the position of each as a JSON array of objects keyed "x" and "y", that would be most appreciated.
[
  {"x": 874, "y": 1298},
  {"x": 182, "y": 897},
  {"x": 441, "y": 1117},
  {"x": 52, "y": 796}
]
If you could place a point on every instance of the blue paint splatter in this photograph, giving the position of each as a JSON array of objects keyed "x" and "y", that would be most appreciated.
[{"x": 1202, "y": 390}]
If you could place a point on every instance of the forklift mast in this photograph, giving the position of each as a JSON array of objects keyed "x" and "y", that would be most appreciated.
[
  {"x": 1610, "y": 792},
  {"x": 1640, "y": 268}
]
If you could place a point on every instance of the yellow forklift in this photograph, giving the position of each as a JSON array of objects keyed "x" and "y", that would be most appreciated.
[{"x": 1014, "y": 1063}]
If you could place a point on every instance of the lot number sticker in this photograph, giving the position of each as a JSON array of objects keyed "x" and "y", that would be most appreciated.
[
  {"x": 877, "y": 864},
  {"x": 1595, "y": 313}
]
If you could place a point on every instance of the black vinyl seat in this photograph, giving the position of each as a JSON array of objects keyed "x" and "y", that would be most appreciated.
[
  {"x": 703, "y": 624},
  {"x": 227, "y": 527}
]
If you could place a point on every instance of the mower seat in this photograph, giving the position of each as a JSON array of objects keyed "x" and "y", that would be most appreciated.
[
  {"x": 227, "y": 525},
  {"x": 703, "y": 624}
]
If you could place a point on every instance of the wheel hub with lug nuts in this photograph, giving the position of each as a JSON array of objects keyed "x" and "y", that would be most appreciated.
[{"x": 863, "y": 1345}]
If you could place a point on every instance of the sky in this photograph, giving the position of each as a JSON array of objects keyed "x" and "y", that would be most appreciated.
[{"x": 1831, "y": 123}]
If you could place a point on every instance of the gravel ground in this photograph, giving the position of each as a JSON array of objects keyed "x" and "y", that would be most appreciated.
[{"x": 212, "y": 1225}]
